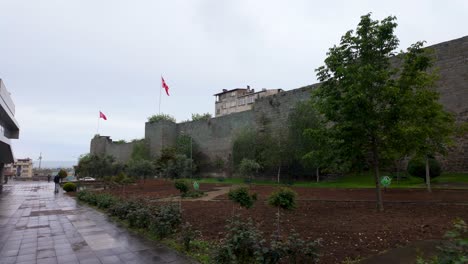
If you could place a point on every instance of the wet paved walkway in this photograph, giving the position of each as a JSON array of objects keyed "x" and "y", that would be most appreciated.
[{"x": 37, "y": 226}]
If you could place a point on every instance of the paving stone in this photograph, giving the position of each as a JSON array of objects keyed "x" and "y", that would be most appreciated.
[{"x": 46, "y": 228}]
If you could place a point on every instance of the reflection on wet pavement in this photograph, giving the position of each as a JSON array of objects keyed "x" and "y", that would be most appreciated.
[{"x": 38, "y": 226}]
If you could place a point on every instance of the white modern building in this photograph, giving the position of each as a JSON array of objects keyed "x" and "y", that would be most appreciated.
[{"x": 9, "y": 129}]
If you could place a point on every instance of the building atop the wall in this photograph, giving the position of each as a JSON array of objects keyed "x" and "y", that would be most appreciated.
[
  {"x": 239, "y": 99},
  {"x": 22, "y": 168},
  {"x": 9, "y": 129}
]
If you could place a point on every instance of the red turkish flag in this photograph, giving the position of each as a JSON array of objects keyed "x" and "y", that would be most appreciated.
[
  {"x": 103, "y": 116},
  {"x": 164, "y": 85}
]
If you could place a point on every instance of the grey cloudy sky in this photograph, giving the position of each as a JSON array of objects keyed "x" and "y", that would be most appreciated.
[{"x": 63, "y": 61}]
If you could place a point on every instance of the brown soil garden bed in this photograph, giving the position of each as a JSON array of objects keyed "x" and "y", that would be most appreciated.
[{"x": 346, "y": 219}]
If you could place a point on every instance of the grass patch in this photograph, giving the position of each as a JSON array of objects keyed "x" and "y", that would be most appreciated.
[
  {"x": 452, "y": 178},
  {"x": 361, "y": 180},
  {"x": 200, "y": 250}
]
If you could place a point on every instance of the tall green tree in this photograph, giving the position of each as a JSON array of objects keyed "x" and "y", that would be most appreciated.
[
  {"x": 95, "y": 166},
  {"x": 140, "y": 150},
  {"x": 426, "y": 129},
  {"x": 141, "y": 168},
  {"x": 366, "y": 100}
]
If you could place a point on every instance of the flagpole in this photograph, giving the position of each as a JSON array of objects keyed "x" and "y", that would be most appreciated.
[
  {"x": 160, "y": 96},
  {"x": 97, "y": 131}
]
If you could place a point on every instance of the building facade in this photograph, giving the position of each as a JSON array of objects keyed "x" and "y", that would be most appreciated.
[
  {"x": 22, "y": 168},
  {"x": 9, "y": 129},
  {"x": 239, "y": 99}
]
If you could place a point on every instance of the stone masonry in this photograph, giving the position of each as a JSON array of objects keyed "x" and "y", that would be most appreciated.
[{"x": 215, "y": 136}]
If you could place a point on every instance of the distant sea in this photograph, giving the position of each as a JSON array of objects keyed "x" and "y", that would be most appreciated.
[{"x": 52, "y": 164}]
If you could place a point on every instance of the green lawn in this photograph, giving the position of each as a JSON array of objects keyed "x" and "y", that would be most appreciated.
[{"x": 364, "y": 180}]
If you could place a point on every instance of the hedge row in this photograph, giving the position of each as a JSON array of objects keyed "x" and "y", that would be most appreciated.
[{"x": 160, "y": 220}]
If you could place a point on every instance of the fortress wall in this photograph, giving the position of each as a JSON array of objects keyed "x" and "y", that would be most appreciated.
[
  {"x": 160, "y": 135},
  {"x": 214, "y": 137},
  {"x": 103, "y": 145},
  {"x": 452, "y": 64},
  {"x": 272, "y": 112}
]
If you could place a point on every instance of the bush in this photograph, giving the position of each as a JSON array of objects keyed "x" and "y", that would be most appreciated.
[
  {"x": 182, "y": 185},
  {"x": 69, "y": 187},
  {"x": 193, "y": 194},
  {"x": 455, "y": 250},
  {"x": 299, "y": 251},
  {"x": 140, "y": 217},
  {"x": 160, "y": 117},
  {"x": 417, "y": 167},
  {"x": 188, "y": 234},
  {"x": 123, "y": 208},
  {"x": 242, "y": 244},
  {"x": 179, "y": 167},
  {"x": 284, "y": 198},
  {"x": 241, "y": 196},
  {"x": 105, "y": 200},
  {"x": 82, "y": 195},
  {"x": 165, "y": 221},
  {"x": 62, "y": 173},
  {"x": 87, "y": 196},
  {"x": 248, "y": 167}
]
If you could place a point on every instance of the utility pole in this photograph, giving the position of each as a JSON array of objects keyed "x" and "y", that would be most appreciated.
[
  {"x": 191, "y": 159},
  {"x": 40, "y": 160}
]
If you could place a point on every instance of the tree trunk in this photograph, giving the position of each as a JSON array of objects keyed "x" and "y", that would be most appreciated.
[
  {"x": 279, "y": 173},
  {"x": 428, "y": 177},
  {"x": 318, "y": 175},
  {"x": 398, "y": 163},
  {"x": 375, "y": 157},
  {"x": 278, "y": 224}
]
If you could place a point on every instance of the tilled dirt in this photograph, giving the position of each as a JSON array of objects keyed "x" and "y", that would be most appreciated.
[{"x": 345, "y": 219}]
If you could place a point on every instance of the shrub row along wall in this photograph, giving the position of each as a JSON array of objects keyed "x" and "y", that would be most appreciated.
[{"x": 214, "y": 137}]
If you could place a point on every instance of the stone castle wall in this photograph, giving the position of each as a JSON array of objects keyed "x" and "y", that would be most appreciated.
[
  {"x": 214, "y": 137},
  {"x": 103, "y": 145}
]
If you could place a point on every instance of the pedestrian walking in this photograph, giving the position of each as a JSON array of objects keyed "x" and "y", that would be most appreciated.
[
  {"x": 57, "y": 183},
  {"x": 48, "y": 177}
]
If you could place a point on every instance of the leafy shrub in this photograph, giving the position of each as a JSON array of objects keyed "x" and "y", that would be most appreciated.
[
  {"x": 299, "y": 251},
  {"x": 197, "y": 117},
  {"x": 455, "y": 250},
  {"x": 182, "y": 185},
  {"x": 141, "y": 168},
  {"x": 82, "y": 195},
  {"x": 241, "y": 196},
  {"x": 105, "y": 200},
  {"x": 122, "y": 209},
  {"x": 161, "y": 117},
  {"x": 248, "y": 167},
  {"x": 140, "y": 217},
  {"x": 193, "y": 194},
  {"x": 242, "y": 243},
  {"x": 284, "y": 198},
  {"x": 62, "y": 173},
  {"x": 69, "y": 187},
  {"x": 188, "y": 234},
  {"x": 165, "y": 220},
  {"x": 417, "y": 167},
  {"x": 179, "y": 167},
  {"x": 87, "y": 196}
]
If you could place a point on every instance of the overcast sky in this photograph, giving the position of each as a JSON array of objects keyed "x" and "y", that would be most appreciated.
[{"x": 63, "y": 61}]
